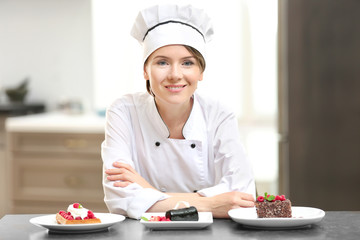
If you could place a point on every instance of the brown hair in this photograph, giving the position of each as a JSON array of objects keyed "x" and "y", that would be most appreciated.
[{"x": 199, "y": 58}]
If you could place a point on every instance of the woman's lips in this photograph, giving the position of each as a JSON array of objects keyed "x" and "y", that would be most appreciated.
[{"x": 175, "y": 88}]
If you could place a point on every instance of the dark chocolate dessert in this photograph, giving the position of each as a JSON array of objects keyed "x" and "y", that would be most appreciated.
[
  {"x": 183, "y": 214},
  {"x": 270, "y": 206}
]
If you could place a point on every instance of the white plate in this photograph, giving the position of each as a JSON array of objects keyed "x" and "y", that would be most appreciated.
[
  {"x": 301, "y": 217},
  {"x": 49, "y": 222},
  {"x": 205, "y": 219}
]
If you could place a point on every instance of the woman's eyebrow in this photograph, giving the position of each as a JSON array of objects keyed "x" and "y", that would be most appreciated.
[
  {"x": 160, "y": 56},
  {"x": 188, "y": 57}
]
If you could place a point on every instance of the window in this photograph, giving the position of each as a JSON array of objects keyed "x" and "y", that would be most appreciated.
[{"x": 258, "y": 120}]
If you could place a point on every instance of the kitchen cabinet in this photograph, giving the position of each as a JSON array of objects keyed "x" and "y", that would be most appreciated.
[
  {"x": 52, "y": 166},
  {"x": 9, "y": 110}
]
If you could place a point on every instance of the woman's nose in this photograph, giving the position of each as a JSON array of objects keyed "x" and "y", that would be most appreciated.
[{"x": 175, "y": 72}]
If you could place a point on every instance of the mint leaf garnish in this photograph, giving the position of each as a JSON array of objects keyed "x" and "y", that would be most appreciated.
[
  {"x": 270, "y": 198},
  {"x": 144, "y": 218},
  {"x": 265, "y": 195}
]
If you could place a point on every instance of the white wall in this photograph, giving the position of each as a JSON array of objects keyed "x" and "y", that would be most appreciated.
[{"x": 50, "y": 42}]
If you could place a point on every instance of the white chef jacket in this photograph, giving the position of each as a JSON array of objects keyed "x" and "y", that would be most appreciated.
[{"x": 210, "y": 160}]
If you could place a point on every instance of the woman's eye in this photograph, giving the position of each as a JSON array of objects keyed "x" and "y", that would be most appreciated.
[
  {"x": 161, "y": 63},
  {"x": 188, "y": 63}
]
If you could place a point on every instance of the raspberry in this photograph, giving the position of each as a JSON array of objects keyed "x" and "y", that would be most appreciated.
[
  {"x": 78, "y": 218},
  {"x": 90, "y": 214},
  {"x": 164, "y": 219},
  {"x": 278, "y": 198},
  {"x": 260, "y": 198},
  {"x": 86, "y": 218},
  {"x": 76, "y": 205},
  {"x": 282, "y": 197},
  {"x": 159, "y": 219},
  {"x": 61, "y": 212}
]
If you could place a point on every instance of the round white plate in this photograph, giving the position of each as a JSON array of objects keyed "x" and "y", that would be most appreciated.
[
  {"x": 301, "y": 217},
  {"x": 49, "y": 222},
  {"x": 205, "y": 219}
]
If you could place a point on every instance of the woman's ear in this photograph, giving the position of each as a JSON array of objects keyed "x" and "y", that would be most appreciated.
[
  {"x": 146, "y": 75},
  {"x": 201, "y": 76}
]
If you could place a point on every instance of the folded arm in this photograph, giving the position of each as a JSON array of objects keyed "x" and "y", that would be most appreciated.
[{"x": 124, "y": 175}]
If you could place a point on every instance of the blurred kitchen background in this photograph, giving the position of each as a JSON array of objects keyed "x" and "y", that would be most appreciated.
[{"x": 288, "y": 68}]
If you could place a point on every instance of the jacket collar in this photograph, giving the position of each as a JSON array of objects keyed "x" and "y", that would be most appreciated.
[{"x": 193, "y": 129}]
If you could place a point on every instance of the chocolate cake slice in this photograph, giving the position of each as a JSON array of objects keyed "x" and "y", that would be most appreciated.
[{"x": 271, "y": 206}]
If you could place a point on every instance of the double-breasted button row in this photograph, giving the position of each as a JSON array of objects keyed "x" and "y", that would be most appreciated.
[{"x": 193, "y": 145}]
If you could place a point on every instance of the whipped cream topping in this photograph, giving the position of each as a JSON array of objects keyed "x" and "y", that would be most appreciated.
[{"x": 76, "y": 212}]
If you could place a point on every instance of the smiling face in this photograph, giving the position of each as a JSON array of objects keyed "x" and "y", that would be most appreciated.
[{"x": 173, "y": 73}]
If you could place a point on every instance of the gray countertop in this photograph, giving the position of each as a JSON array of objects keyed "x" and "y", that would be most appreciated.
[{"x": 335, "y": 225}]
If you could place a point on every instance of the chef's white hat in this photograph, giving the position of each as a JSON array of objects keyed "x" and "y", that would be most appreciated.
[{"x": 163, "y": 25}]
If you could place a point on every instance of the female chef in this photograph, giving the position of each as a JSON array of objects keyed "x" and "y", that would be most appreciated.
[{"x": 170, "y": 144}]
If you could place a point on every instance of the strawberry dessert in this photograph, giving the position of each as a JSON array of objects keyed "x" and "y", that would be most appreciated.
[
  {"x": 271, "y": 206},
  {"x": 76, "y": 214}
]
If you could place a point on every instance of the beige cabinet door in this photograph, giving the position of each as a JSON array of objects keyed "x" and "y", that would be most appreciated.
[{"x": 49, "y": 171}]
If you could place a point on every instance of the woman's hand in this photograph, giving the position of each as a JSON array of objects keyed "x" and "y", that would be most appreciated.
[
  {"x": 219, "y": 205},
  {"x": 124, "y": 175},
  {"x": 222, "y": 203}
]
